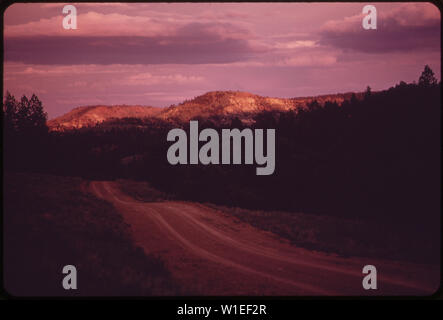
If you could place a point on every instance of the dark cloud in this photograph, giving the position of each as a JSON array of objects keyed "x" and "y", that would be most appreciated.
[
  {"x": 193, "y": 44},
  {"x": 388, "y": 37}
]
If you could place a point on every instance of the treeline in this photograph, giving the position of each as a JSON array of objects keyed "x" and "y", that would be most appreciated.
[
  {"x": 373, "y": 157},
  {"x": 379, "y": 156},
  {"x": 25, "y": 133}
]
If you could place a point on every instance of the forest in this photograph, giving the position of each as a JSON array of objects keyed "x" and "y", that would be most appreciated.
[{"x": 376, "y": 157}]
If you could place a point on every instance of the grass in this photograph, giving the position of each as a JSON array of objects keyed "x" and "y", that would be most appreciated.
[
  {"x": 343, "y": 236},
  {"x": 346, "y": 237},
  {"x": 142, "y": 191},
  {"x": 49, "y": 222}
]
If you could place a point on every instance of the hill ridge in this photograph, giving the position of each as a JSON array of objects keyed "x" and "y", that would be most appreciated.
[{"x": 224, "y": 104}]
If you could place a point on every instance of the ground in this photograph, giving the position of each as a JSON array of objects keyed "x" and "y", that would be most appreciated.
[{"x": 127, "y": 238}]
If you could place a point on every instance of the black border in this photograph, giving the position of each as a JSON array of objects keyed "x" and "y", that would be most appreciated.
[{"x": 159, "y": 303}]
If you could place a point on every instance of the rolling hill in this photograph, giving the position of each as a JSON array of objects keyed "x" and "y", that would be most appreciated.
[
  {"x": 214, "y": 104},
  {"x": 91, "y": 115},
  {"x": 240, "y": 104}
]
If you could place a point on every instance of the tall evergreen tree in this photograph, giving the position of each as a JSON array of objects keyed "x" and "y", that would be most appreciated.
[
  {"x": 23, "y": 114},
  {"x": 427, "y": 77},
  {"x": 37, "y": 115},
  {"x": 9, "y": 112}
]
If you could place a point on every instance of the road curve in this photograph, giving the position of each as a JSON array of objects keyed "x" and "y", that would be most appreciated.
[{"x": 212, "y": 253}]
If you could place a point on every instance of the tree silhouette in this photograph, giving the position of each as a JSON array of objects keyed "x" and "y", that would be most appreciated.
[
  {"x": 427, "y": 78},
  {"x": 9, "y": 113},
  {"x": 24, "y": 116},
  {"x": 368, "y": 92},
  {"x": 37, "y": 115},
  {"x": 25, "y": 131}
]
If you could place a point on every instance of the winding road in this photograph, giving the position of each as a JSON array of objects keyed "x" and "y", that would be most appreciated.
[{"x": 212, "y": 253}]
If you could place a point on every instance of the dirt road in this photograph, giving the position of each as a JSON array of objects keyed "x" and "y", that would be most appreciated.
[{"x": 212, "y": 253}]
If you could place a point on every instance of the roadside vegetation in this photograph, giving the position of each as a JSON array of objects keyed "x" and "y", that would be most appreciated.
[
  {"x": 49, "y": 222},
  {"x": 142, "y": 191},
  {"x": 347, "y": 237}
]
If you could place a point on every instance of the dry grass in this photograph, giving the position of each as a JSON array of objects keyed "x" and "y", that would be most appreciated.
[
  {"x": 142, "y": 191},
  {"x": 50, "y": 222},
  {"x": 346, "y": 237}
]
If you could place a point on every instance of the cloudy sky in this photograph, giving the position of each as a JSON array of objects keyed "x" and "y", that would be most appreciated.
[{"x": 161, "y": 54}]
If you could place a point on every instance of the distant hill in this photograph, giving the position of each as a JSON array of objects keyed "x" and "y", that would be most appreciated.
[
  {"x": 240, "y": 104},
  {"x": 91, "y": 115},
  {"x": 214, "y": 104}
]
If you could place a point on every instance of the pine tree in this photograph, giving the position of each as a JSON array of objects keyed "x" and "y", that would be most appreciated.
[
  {"x": 368, "y": 92},
  {"x": 9, "y": 112},
  {"x": 37, "y": 115},
  {"x": 23, "y": 114},
  {"x": 427, "y": 78}
]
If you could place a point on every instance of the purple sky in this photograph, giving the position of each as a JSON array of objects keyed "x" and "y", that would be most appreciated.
[{"x": 161, "y": 54}]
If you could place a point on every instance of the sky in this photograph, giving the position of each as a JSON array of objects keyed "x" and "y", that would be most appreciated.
[{"x": 160, "y": 54}]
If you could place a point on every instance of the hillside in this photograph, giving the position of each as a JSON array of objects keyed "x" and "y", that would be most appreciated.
[
  {"x": 214, "y": 104},
  {"x": 224, "y": 103},
  {"x": 91, "y": 115},
  {"x": 240, "y": 104}
]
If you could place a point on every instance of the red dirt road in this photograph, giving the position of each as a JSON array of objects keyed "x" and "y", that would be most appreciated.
[{"x": 212, "y": 253}]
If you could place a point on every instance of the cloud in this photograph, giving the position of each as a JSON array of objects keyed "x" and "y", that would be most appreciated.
[
  {"x": 149, "y": 24},
  {"x": 22, "y": 69},
  {"x": 296, "y": 44},
  {"x": 406, "y": 27},
  {"x": 147, "y": 78},
  {"x": 159, "y": 54},
  {"x": 187, "y": 49},
  {"x": 308, "y": 60},
  {"x": 109, "y": 4},
  {"x": 101, "y": 77},
  {"x": 94, "y": 24},
  {"x": 117, "y": 38}
]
